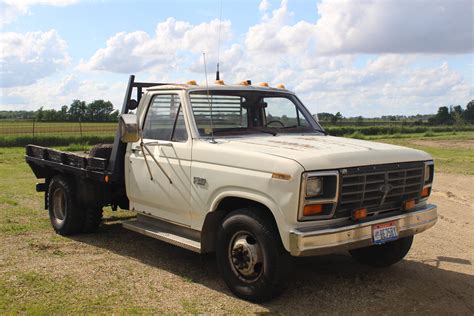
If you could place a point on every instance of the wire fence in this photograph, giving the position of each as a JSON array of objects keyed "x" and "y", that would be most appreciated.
[{"x": 36, "y": 128}]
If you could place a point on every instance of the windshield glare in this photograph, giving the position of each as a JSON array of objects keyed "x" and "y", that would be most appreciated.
[{"x": 246, "y": 112}]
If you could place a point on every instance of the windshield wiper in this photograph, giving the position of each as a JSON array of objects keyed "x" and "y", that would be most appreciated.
[
  {"x": 224, "y": 130},
  {"x": 268, "y": 131},
  {"x": 291, "y": 126},
  {"x": 294, "y": 126}
]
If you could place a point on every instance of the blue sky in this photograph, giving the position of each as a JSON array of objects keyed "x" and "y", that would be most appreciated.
[{"x": 365, "y": 57}]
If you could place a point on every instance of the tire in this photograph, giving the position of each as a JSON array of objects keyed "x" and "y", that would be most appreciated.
[
  {"x": 92, "y": 219},
  {"x": 381, "y": 256},
  {"x": 101, "y": 151},
  {"x": 263, "y": 274},
  {"x": 65, "y": 214}
]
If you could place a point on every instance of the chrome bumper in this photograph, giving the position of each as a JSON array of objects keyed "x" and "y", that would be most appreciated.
[{"x": 329, "y": 240}]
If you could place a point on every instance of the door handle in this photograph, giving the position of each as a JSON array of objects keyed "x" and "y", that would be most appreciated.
[
  {"x": 165, "y": 144},
  {"x": 136, "y": 149}
]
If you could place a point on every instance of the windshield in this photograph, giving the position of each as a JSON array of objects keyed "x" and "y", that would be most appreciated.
[{"x": 247, "y": 112}]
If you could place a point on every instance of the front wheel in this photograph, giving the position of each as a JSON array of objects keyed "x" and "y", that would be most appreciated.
[
  {"x": 250, "y": 255},
  {"x": 385, "y": 255}
]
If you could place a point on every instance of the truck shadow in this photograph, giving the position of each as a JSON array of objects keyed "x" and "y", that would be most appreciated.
[{"x": 326, "y": 284}]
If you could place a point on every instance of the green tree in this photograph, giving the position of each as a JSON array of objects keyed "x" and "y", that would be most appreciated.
[
  {"x": 62, "y": 114},
  {"x": 457, "y": 114},
  {"x": 443, "y": 116},
  {"x": 336, "y": 117},
  {"x": 99, "y": 110},
  {"x": 77, "y": 109},
  {"x": 325, "y": 117},
  {"x": 39, "y": 114},
  {"x": 468, "y": 113},
  {"x": 50, "y": 115}
]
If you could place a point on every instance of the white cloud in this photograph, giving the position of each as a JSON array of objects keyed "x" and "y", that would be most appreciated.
[
  {"x": 53, "y": 92},
  {"x": 264, "y": 5},
  {"x": 25, "y": 58},
  {"x": 122, "y": 54},
  {"x": 393, "y": 85},
  {"x": 275, "y": 36},
  {"x": 390, "y": 26},
  {"x": 10, "y": 10},
  {"x": 137, "y": 51}
]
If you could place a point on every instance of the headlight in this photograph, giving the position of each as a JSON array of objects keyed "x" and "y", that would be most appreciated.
[
  {"x": 318, "y": 195},
  {"x": 314, "y": 187}
]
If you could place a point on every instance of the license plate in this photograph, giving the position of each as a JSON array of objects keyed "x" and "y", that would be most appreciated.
[{"x": 385, "y": 232}]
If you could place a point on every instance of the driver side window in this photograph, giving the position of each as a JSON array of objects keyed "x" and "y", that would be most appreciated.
[
  {"x": 282, "y": 112},
  {"x": 165, "y": 120}
]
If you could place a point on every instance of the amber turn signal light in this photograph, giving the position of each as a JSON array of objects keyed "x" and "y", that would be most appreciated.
[
  {"x": 410, "y": 204},
  {"x": 359, "y": 213},
  {"x": 425, "y": 192},
  {"x": 312, "y": 209}
]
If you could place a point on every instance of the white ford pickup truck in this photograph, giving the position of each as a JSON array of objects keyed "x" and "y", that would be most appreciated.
[{"x": 246, "y": 172}]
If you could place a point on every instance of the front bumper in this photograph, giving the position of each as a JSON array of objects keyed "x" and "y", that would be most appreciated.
[{"x": 329, "y": 240}]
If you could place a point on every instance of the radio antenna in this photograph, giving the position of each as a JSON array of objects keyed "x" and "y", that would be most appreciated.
[
  {"x": 219, "y": 42},
  {"x": 209, "y": 100}
]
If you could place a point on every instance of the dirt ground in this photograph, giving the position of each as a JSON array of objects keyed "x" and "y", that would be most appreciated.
[{"x": 137, "y": 273}]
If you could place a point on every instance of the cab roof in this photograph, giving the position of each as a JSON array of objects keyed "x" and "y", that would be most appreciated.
[{"x": 226, "y": 87}]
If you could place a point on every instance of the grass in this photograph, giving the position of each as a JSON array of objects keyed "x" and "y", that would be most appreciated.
[
  {"x": 21, "y": 133},
  {"x": 22, "y": 128},
  {"x": 386, "y": 130},
  {"x": 448, "y": 156},
  {"x": 44, "y": 294}
]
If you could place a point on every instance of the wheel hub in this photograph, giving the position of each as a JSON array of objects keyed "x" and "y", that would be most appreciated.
[
  {"x": 246, "y": 256},
  {"x": 59, "y": 205}
]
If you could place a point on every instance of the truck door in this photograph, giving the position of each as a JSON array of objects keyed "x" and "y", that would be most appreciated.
[{"x": 165, "y": 132}]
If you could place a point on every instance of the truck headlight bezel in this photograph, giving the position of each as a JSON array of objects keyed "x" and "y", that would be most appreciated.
[
  {"x": 428, "y": 177},
  {"x": 323, "y": 189},
  {"x": 428, "y": 172}
]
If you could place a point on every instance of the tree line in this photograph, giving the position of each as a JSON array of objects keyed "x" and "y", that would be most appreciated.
[
  {"x": 95, "y": 111},
  {"x": 452, "y": 115}
]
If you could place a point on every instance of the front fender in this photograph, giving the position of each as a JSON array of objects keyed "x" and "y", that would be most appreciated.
[{"x": 259, "y": 197}]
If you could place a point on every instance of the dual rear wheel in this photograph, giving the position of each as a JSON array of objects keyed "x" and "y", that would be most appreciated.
[{"x": 66, "y": 214}]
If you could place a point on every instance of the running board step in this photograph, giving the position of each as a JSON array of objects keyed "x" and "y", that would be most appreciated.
[{"x": 170, "y": 233}]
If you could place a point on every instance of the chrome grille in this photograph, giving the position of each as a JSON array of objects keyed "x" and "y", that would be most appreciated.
[{"x": 377, "y": 188}]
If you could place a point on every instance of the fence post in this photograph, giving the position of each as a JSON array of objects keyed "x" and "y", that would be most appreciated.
[{"x": 80, "y": 127}]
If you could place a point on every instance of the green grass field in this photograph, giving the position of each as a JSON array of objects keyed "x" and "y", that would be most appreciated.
[{"x": 28, "y": 128}]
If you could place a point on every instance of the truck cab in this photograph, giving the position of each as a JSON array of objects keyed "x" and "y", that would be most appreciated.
[{"x": 245, "y": 171}]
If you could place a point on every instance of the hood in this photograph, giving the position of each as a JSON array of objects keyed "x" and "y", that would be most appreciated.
[{"x": 317, "y": 152}]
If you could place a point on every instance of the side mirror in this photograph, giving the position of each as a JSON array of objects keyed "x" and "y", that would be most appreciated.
[
  {"x": 132, "y": 104},
  {"x": 129, "y": 130}
]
